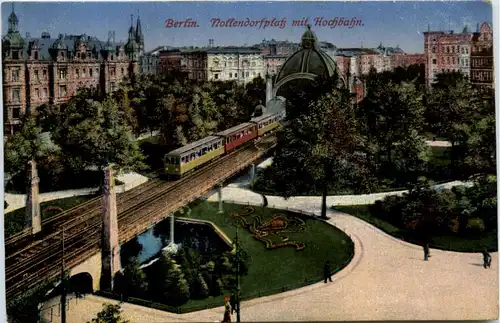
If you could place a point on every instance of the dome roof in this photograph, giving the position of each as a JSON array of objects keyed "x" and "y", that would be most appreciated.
[
  {"x": 308, "y": 62},
  {"x": 13, "y": 40}
]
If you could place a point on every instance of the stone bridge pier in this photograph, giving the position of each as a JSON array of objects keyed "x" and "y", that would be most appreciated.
[{"x": 103, "y": 266}]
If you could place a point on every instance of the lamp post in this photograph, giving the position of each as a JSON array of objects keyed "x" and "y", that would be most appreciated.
[
  {"x": 237, "y": 276},
  {"x": 63, "y": 282}
]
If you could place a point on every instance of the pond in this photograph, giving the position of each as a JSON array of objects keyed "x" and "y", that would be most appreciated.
[{"x": 148, "y": 245}]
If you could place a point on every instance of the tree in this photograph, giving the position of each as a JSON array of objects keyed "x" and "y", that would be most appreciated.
[
  {"x": 96, "y": 134},
  {"x": 451, "y": 102},
  {"x": 134, "y": 281},
  {"x": 411, "y": 157},
  {"x": 256, "y": 91},
  {"x": 47, "y": 116},
  {"x": 316, "y": 147},
  {"x": 110, "y": 314},
  {"x": 167, "y": 283},
  {"x": 390, "y": 112},
  {"x": 23, "y": 147}
]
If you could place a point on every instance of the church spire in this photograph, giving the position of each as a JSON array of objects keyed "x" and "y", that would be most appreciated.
[
  {"x": 139, "y": 36},
  {"x": 13, "y": 21}
]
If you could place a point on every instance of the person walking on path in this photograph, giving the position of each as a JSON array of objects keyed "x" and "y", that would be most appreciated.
[
  {"x": 426, "y": 252},
  {"x": 486, "y": 259},
  {"x": 328, "y": 271},
  {"x": 232, "y": 302},
  {"x": 227, "y": 310}
]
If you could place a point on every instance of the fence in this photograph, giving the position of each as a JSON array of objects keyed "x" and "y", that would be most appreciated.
[
  {"x": 217, "y": 303},
  {"x": 48, "y": 314}
]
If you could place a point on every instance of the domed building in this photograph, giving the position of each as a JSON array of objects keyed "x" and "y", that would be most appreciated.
[{"x": 309, "y": 63}]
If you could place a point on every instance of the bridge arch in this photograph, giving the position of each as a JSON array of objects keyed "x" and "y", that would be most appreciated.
[
  {"x": 82, "y": 283},
  {"x": 90, "y": 267}
]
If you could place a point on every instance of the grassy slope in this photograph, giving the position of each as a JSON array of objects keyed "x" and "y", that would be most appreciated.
[{"x": 270, "y": 270}]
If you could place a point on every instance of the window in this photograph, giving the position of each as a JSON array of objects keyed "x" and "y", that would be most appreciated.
[
  {"x": 216, "y": 76},
  {"x": 15, "y": 54},
  {"x": 35, "y": 75},
  {"x": 434, "y": 61},
  {"x": 113, "y": 86},
  {"x": 15, "y": 75},
  {"x": 84, "y": 73},
  {"x": 45, "y": 92},
  {"x": 16, "y": 112},
  {"x": 112, "y": 72},
  {"x": 123, "y": 71},
  {"x": 15, "y": 95},
  {"x": 235, "y": 74},
  {"x": 248, "y": 74},
  {"x": 63, "y": 73},
  {"x": 37, "y": 93},
  {"x": 62, "y": 91},
  {"x": 44, "y": 73},
  {"x": 90, "y": 72},
  {"x": 77, "y": 73}
]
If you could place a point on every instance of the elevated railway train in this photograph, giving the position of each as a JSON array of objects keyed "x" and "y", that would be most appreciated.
[{"x": 194, "y": 155}]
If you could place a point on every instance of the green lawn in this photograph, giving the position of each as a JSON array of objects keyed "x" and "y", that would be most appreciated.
[
  {"x": 453, "y": 243},
  {"x": 272, "y": 270},
  {"x": 14, "y": 221}
]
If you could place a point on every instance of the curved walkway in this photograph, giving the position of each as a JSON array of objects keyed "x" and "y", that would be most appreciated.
[
  {"x": 386, "y": 280},
  {"x": 130, "y": 180}
]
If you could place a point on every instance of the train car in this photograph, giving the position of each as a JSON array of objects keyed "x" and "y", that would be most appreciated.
[
  {"x": 238, "y": 135},
  {"x": 189, "y": 157},
  {"x": 267, "y": 122}
]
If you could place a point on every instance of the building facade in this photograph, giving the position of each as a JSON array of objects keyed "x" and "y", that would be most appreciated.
[
  {"x": 241, "y": 64},
  {"x": 49, "y": 70},
  {"x": 150, "y": 61},
  {"x": 481, "y": 56},
  {"x": 468, "y": 53}
]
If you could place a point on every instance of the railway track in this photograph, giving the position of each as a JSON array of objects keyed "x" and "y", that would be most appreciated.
[{"x": 41, "y": 259}]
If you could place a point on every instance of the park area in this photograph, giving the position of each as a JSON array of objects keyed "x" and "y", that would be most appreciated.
[{"x": 280, "y": 251}]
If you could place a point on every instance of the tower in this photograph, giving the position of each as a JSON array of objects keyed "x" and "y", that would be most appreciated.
[
  {"x": 139, "y": 36},
  {"x": 13, "y": 42},
  {"x": 132, "y": 47}
]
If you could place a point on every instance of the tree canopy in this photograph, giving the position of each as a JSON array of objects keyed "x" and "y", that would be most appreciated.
[{"x": 95, "y": 134}]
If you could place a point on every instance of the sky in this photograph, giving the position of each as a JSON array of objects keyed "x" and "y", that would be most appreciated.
[{"x": 389, "y": 23}]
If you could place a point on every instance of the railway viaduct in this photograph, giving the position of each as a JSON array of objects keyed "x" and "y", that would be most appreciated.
[{"x": 85, "y": 241}]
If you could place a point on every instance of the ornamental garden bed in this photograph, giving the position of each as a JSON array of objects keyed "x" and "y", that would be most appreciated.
[
  {"x": 14, "y": 221},
  {"x": 292, "y": 258}
]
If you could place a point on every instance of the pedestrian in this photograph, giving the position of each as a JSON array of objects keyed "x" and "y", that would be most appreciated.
[
  {"x": 233, "y": 303},
  {"x": 328, "y": 271},
  {"x": 426, "y": 252},
  {"x": 227, "y": 310},
  {"x": 486, "y": 259}
]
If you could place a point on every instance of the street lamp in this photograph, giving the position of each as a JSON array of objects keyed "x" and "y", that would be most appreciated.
[
  {"x": 237, "y": 245},
  {"x": 63, "y": 281}
]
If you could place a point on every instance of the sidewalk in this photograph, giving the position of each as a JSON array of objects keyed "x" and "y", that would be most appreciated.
[
  {"x": 386, "y": 280},
  {"x": 130, "y": 180}
]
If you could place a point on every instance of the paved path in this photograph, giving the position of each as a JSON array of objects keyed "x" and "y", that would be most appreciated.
[
  {"x": 234, "y": 193},
  {"x": 386, "y": 280},
  {"x": 130, "y": 180}
]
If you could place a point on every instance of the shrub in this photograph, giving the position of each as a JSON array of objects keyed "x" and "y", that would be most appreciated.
[{"x": 475, "y": 226}]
